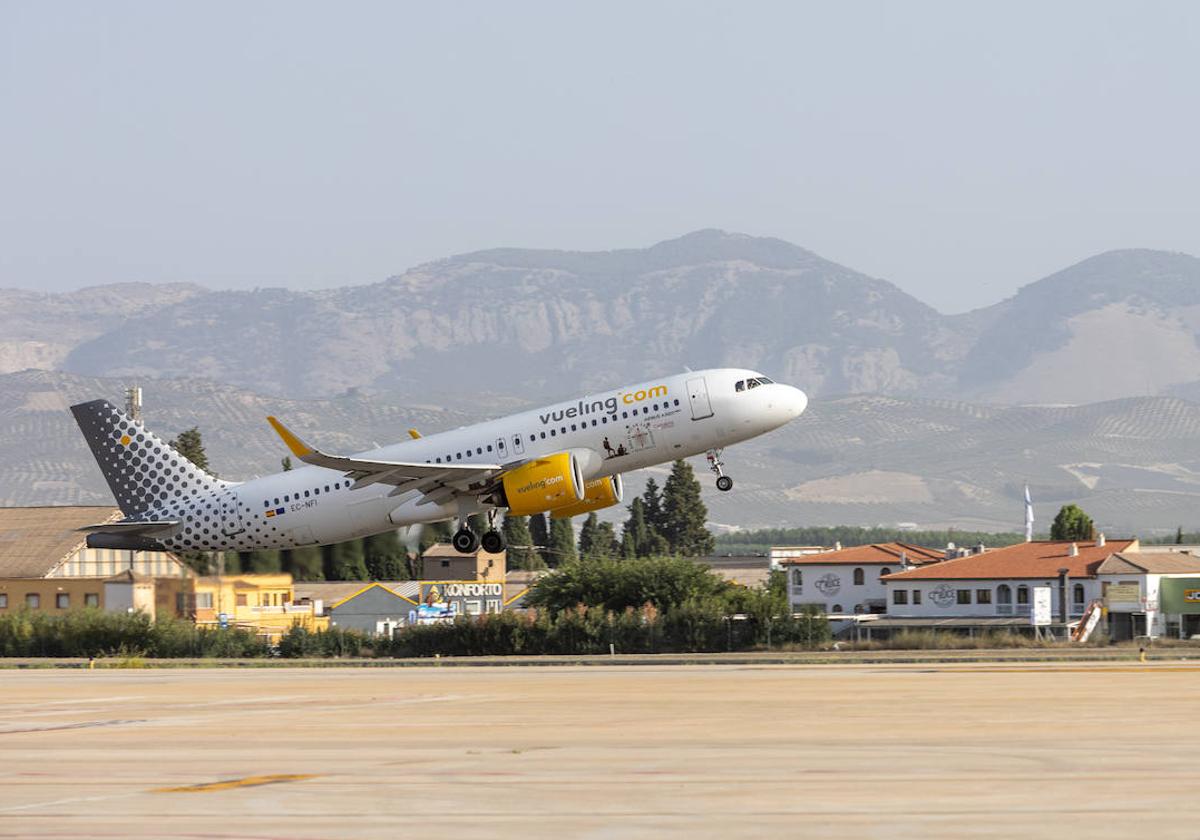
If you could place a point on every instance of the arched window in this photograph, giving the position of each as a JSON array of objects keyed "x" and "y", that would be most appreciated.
[
  {"x": 858, "y": 608},
  {"x": 1004, "y": 594},
  {"x": 837, "y": 609},
  {"x": 884, "y": 571},
  {"x": 1077, "y": 595},
  {"x": 858, "y": 577}
]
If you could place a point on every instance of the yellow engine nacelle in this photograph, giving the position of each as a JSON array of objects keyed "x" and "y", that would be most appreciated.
[
  {"x": 597, "y": 493},
  {"x": 543, "y": 485}
]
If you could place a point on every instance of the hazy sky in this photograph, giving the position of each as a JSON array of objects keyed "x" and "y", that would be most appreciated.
[{"x": 957, "y": 149}]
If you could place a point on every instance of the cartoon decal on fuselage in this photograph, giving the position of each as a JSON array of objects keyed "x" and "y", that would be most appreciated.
[{"x": 536, "y": 461}]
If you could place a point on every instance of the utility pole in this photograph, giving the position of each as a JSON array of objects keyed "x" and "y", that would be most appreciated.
[{"x": 133, "y": 403}]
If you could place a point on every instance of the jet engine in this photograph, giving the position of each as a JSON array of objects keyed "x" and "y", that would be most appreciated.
[
  {"x": 545, "y": 484},
  {"x": 597, "y": 493}
]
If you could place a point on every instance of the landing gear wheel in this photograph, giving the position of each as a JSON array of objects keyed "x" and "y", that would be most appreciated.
[
  {"x": 715, "y": 463},
  {"x": 493, "y": 542},
  {"x": 724, "y": 483},
  {"x": 465, "y": 541}
]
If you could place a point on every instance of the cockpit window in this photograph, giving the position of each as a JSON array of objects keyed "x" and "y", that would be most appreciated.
[
  {"x": 740, "y": 386},
  {"x": 751, "y": 383},
  {"x": 762, "y": 380}
]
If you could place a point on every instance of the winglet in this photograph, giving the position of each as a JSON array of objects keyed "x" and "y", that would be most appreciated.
[
  {"x": 414, "y": 434},
  {"x": 299, "y": 448}
]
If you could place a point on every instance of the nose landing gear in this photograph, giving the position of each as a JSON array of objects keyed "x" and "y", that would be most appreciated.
[{"x": 724, "y": 482}]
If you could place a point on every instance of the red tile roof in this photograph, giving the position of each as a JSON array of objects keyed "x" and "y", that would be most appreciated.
[
  {"x": 884, "y": 554},
  {"x": 1023, "y": 560}
]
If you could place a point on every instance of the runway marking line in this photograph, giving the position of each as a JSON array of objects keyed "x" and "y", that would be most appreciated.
[{"x": 230, "y": 784}]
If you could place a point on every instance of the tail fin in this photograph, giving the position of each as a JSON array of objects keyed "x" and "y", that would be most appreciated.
[{"x": 142, "y": 471}]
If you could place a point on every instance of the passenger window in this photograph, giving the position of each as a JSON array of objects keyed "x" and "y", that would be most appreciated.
[
  {"x": 266, "y": 503},
  {"x": 287, "y": 498},
  {"x": 439, "y": 460},
  {"x": 479, "y": 450},
  {"x": 489, "y": 447},
  {"x": 543, "y": 435},
  {"x": 563, "y": 430},
  {"x": 676, "y": 402},
  {"x": 625, "y": 415},
  {"x": 326, "y": 488},
  {"x": 306, "y": 494},
  {"x": 276, "y": 501},
  {"x": 316, "y": 491},
  {"x": 458, "y": 456},
  {"x": 740, "y": 386},
  {"x": 551, "y": 433},
  {"x": 604, "y": 419}
]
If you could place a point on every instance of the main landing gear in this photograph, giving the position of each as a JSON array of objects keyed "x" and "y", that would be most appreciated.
[
  {"x": 724, "y": 482},
  {"x": 466, "y": 541}
]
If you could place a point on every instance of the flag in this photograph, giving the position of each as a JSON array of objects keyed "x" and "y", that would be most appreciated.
[{"x": 1028, "y": 515}]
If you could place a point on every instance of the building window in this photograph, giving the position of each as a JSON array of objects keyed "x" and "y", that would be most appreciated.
[
  {"x": 1023, "y": 595},
  {"x": 900, "y": 596},
  {"x": 964, "y": 596},
  {"x": 62, "y": 601},
  {"x": 91, "y": 599},
  {"x": 983, "y": 596},
  {"x": 837, "y": 609},
  {"x": 3, "y": 600},
  {"x": 1077, "y": 594},
  {"x": 858, "y": 577},
  {"x": 1004, "y": 594},
  {"x": 884, "y": 571},
  {"x": 241, "y": 600},
  {"x": 445, "y": 564},
  {"x": 916, "y": 596},
  {"x": 204, "y": 600},
  {"x": 797, "y": 577},
  {"x": 33, "y": 600}
]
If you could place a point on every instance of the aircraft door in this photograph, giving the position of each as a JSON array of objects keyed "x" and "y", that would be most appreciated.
[
  {"x": 502, "y": 448},
  {"x": 518, "y": 445},
  {"x": 698, "y": 398},
  {"x": 231, "y": 517}
]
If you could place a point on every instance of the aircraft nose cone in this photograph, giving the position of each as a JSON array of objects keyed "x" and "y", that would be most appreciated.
[{"x": 797, "y": 402}]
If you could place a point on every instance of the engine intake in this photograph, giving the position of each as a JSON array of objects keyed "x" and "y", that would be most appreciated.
[
  {"x": 598, "y": 493},
  {"x": 545, "y": 484}
]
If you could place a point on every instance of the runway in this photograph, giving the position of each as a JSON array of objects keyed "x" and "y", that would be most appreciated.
[{"x": 680, "y": 751}]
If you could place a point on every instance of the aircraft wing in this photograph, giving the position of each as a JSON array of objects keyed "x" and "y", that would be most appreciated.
[{"x": 437, "y": 481}]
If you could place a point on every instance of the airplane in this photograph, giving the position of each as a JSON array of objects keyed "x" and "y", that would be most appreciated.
[{"x": 563, "y": 460}]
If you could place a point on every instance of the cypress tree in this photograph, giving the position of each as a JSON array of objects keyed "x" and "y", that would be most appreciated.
[
  {"x": 587, "y": 536},
  {"x": 521, "y": 554},
  {"x": 190, "y": 445},
  {"x": 385, "y": 556},
  {"x": 606, "y": 543},
  {"x": 260, "y": 562},
  {"x": 305, "y": 563},
  {"x": 684, "y": 513},
  {"x": 541, "y": 537},
  {"x": 562, "y": 541},
  {"x": 345, "y": 561},
  {"x": 653, "y": 503},
  {"x": 633, "y": 536}
]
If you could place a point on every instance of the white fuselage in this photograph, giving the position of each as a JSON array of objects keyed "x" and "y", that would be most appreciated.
[{"x": 611, "y": 432}]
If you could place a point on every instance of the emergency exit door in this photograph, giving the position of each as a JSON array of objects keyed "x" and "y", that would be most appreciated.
[{"x": 698, "y": 398}]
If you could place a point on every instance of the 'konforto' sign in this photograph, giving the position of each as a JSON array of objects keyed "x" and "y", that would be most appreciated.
[{"x": 445, "y": 600}]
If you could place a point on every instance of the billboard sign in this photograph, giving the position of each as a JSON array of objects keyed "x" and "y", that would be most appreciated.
[{"x": 1042, "y": 613}]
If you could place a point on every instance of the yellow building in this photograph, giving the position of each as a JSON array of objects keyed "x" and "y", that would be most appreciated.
[{"x": 265, "y": 604}]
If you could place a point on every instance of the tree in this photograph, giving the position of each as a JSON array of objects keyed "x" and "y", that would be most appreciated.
[
  {"x": 562, "y": 541},
  {"x": 345, "y": 561},
  {"x": 1072, "y": 524},
  {"x": 521, "y": 554},
  {"x": 652, "y": 502},
  {"x": 1179, "y": 535},
  {"x": 305, "y": 563},
  {"x": 665, "y": 582},
  {"x": 606, "y": 542},
  {"x": 432, "y": 534},
  {"x": 541, "y": 537},
  {"x": 190, "y": 445},
  {"x": 587, "y": 535},
  {"x": 385, "y": 557},
  {"x": 260, "y": 562},
  {"x": 684, "y": 513},
  {"x": 633, "y": 535}
]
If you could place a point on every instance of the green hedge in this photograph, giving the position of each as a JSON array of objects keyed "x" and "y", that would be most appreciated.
[{"x": 93, "y": 632}]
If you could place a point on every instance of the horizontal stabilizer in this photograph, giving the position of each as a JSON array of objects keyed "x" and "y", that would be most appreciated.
[{"x": 133, "y": 527}]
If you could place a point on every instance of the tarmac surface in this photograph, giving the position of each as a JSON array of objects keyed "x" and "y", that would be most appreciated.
[{"x": 931, "y": 750}]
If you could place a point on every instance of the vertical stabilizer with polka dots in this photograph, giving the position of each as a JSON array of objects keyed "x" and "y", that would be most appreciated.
[{"x": 143, "y": 472}]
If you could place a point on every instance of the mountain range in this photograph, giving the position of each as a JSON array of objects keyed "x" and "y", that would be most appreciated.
[
  {"x": 1080, "y": 385},
  {"x": 515, "y": 326}
]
